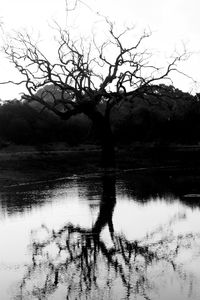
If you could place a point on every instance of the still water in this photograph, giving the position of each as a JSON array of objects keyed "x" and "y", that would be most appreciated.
[{"x": 102, "y": 236}]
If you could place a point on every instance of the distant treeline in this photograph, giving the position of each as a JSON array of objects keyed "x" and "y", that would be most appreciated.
[
  {"x": 22, "y": 123},
  {"x": 164, "y": 115}
]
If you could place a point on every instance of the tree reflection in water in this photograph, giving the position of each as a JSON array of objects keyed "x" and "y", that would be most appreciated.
[{"x": 77, "y": 263}]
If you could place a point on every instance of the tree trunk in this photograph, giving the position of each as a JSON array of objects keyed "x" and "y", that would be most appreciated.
[
  {"x": 104, "y": 133},
  {"x": 108, "y": 150}
]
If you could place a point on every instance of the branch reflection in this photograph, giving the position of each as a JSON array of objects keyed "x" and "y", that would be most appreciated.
[{"x": 77, "y": 263}]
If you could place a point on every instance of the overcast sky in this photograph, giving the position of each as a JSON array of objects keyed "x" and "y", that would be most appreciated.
[{"x": 171, "y": 21}]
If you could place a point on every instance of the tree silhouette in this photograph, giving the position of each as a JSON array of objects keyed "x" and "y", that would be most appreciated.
[{"x": 89, "y": 78}]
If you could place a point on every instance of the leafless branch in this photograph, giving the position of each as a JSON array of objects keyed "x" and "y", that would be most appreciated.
[{"x": 90, "y": 72}]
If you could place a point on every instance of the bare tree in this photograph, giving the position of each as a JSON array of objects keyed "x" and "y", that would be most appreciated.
[{"x": 86, "y": 75}]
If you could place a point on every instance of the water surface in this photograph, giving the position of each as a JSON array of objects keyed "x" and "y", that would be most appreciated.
[{"x": 102, "y": 236}]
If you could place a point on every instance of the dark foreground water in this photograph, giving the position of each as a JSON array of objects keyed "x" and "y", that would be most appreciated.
[{"x": 111, "y": 236}]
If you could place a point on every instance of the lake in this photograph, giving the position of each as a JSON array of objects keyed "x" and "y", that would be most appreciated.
[{"x": 125, "y": 235}]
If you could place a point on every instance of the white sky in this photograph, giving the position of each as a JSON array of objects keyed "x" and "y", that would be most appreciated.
[{"x": 171, "y": 21}]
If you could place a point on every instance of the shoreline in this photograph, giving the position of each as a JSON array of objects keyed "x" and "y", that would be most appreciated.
[{"x": 46, "y": 164}]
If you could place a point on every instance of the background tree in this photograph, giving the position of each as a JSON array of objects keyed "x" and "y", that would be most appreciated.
[{"x": 89, "y": 78}]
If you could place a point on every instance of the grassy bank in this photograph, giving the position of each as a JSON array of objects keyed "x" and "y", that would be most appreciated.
[{"x": 22, "y": 164}]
